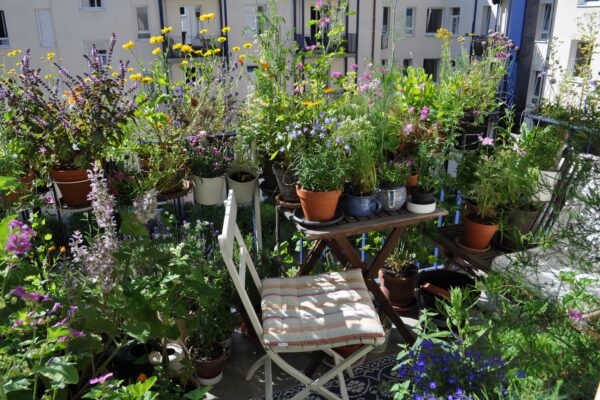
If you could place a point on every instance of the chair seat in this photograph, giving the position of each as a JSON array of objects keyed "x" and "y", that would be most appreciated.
[{"x": 331, "y": 308}]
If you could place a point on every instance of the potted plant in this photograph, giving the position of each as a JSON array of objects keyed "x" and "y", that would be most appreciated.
[
  {"x": 74, "y": 123},
  {"x": 210, "y": 158},
  {"x": 392, "y": 178},
  {"x": 429, "y": 162},
  {"x": 211, "y": 327},
  {"x": 321, "y": 170},
  {"x": 397, "y": 278},
  {"x": 242, "y": 177},
  {"x": 543, "y": 149},
  {"x": 497, "y": 180}
]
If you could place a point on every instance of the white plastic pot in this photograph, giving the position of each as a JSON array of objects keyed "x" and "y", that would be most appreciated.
[
  {"x": 244, "y": 191},
  {"x": 209, "y": 191},
  {"x": 420, "y": 208}
]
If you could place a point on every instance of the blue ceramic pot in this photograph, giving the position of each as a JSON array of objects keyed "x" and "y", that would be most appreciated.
[
  {"x": 361, "y": 206},
  {"x": 392, "y": 197}
]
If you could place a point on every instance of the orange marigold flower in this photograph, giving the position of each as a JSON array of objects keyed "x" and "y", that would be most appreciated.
[
  {"x": 142, "y": 377},
  {"x": 328, "y": 90}
]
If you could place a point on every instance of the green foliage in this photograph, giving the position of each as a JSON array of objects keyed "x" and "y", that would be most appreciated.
[
  {"x": 543, "y": 146},
  {"x": 323, "y": 168},
  {"x": 393, "y": 173}
]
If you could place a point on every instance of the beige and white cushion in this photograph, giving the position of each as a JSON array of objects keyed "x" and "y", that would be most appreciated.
[{"x": 325, "y": 309}]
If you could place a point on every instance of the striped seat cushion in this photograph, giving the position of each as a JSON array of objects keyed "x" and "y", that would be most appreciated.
[{"x": 323, "y": 309}]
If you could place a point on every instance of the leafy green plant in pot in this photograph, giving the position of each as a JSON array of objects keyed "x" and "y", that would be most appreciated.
[
  {"x": 321, "y": 170},
  {"x": 242, "y": 177},
  {"x": 543, "y": 148},
  {"x": 500, "y": 181},
  {"x": 392, "y": 177},
  {"x": 210, "y": 158},
  {"x": 397, "y": 278},
  {"x": 429, "y": 163},
  {"x": 68, "y": 134}
]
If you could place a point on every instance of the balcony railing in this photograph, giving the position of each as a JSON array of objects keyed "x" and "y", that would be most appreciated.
[{"x": 349, "y": 44}]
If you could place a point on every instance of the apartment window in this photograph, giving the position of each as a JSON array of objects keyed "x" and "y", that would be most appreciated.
[
  {"x": 101, "y": 49},
  {"x": 3, "y": 30},
  {"x": 431, "y": 67},
  {"x": 253, "y": 20},
  {"x": 182, "y": 11},
  {"x": 190, "y": 25},
  {"x": 537, "y": 86},
  {"x": 581, "y": 60},
  {"x": 143, "y": 24},
  {"x": 407, "y": 62},
  {"x": 91, "y": 3},
  {"x": 385, "y": 29},
  {"x": 383, "y": 62},
  {"x": 45, "y": 27},
  {"x": 546, "y": 21},
  {"x": 434, "y": 19},
  {"x": 486, "y": 19},
  {"x": 455, "y": 11},
  {"x": 409, "y": 22}
]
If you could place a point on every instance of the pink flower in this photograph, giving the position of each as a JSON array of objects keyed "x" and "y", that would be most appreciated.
[
  {"x": 424, "y": 113},
  {"x": 311, "y": 47},
  {"x": 354, "y": 66},
  {"x": 486, "y": 141},
  {"x": 101, "y": 379},
  {"x": 48, "y": 200},
  {"x": 42, "y": 150},
  {"x": 411, "y": 110},
  {"x": 409, "y": 128},
  {"x": 17, "y": 323},
  {"x": 319, "y": 4},
  {"x": 336, "y": 74},
  {"x": 518, "y": 150},
  {"x": 574, "y": 314},
  {"x": 18, "y": 244}
]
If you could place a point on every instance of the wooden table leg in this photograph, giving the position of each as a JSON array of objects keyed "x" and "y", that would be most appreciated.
[
  {"x": 343, "y": 246},
  {"x": 388, "y": 309},
  {"x": 312, "y": 259},
  {"x": 385, "y": 252}
]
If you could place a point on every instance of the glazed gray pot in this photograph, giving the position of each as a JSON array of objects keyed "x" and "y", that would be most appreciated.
[
  {"x": 392, "y": 197},
  {"x": 286, "y": 184}
]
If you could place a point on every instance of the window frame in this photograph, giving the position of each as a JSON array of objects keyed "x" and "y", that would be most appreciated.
[
  {"x": 427, "y": 19},
  {"x": 536, "y": 87},
  {"x": 453, "y": 18},
  {"x": 142, "y": 35},
  {"x": 544, "y": 32},
  {"x": 575, "y": 67},
  {"x": 52, "y": 43},
  {"x": 4, "y": 40},
  {"x": 98, "y": 5},
  {"x": 436, "y": 73},
  {"x": 412, "y": 21}
]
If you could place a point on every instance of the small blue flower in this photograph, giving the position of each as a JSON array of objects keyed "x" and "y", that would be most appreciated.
[
  {"x": 313, "y": 132},
  {"x": 521, "y": 374},
  {"x": 432, "y": 385},
  {"x": 338, "y": 140},
  {"x": 281, "y": 149},
  {"x": 322, "y": 136},
  {"x": 328, "y": 144},
  {"x": 327, "y": 120},
  {"x": 347, "y": 148}
]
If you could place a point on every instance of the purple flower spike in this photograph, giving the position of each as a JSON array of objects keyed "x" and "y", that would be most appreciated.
[
  {"x": 424, "y": 113},
  {"x": 336, "y": 74},
  {"x": 76, "y": 333},
  {"x": 19, "y": 291}
]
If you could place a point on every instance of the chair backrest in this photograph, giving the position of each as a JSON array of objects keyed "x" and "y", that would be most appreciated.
[{"x": 229, "y": 238}]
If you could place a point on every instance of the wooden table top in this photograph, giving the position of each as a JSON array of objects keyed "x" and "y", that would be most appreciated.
[{"x": 355, "y": 225}]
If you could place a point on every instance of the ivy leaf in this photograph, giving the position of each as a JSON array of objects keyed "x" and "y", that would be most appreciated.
[{"x": 60, "y": 374}]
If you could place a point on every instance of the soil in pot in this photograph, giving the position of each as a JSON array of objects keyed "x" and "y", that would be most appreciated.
[
  {"x": 242, "y": 176},
  {"x": 318, "y": 206},
  {"x": 420, "y": 196},
  {"x": 74, "y": 186},
  {"x": 478, "y": 232},
  {"x": 399, "y": 288}
]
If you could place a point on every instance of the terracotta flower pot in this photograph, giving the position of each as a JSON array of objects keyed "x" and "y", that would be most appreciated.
[
  {"x": 74, "y": 186},
  {"x": 412, "y": 181},
  {"x": 212, "y": 368},
  {"x": 477, "y": 235},
  {"x": 27, "y": 182},
  {"x": 318, "y": 206},
  {"x": 398, "y": 289}
]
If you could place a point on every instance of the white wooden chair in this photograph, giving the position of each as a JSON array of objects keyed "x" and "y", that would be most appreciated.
[{"x": 303, "y": 314}]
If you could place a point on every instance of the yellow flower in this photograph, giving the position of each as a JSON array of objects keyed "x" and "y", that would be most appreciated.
[
  {"x": 129, "y": 45},
  {"x": 52, "y": 248},
  {"x": 166, "y": 29},
  {"x": 328, "y": 90},
  {"x": 217, "y": 50},
  {"x": 247, "y": 45},
  {"x": 207, "y": 53},
  {"x": 225, "y": 29},
  {"x": 460, "y": 39},
  {"x": 11, "y": 71},
  {"x": 204, "y": 31},
  {"x": 221, "y": 39},
  {"x": 470, "y": 34},
  {"x": 50, "y": 56},
  {"x": 115, "y": 74},
  {"x": 443, "y": 33},
  {"x": 48, "y": 76},
  {"x": 147, "y": 79},
  {"x": 130, "y": 69},
  {"x": 186, "y": 48},
  {"x": 311, "y": 103},
  {"x": 109, "y": 67},
  {"x": 18, "y": 64},
  {"x": 135, "y": 77},
  {"x": 198, "y": 52},
  {"x": 236, "y": 48},
  {"x": 157, "y": 50},
  {"x": 242, "y": 58},
  {"x": 87, "y": 80},
  {"x": 13, "y": 53},
  {"x": 184, "y": 62},
  {"x": 63, "y": 249},
  {"x": 177, "y": 46},
  {"x": 206, "y": 17},
  {"x": 157, "y": 39}
]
